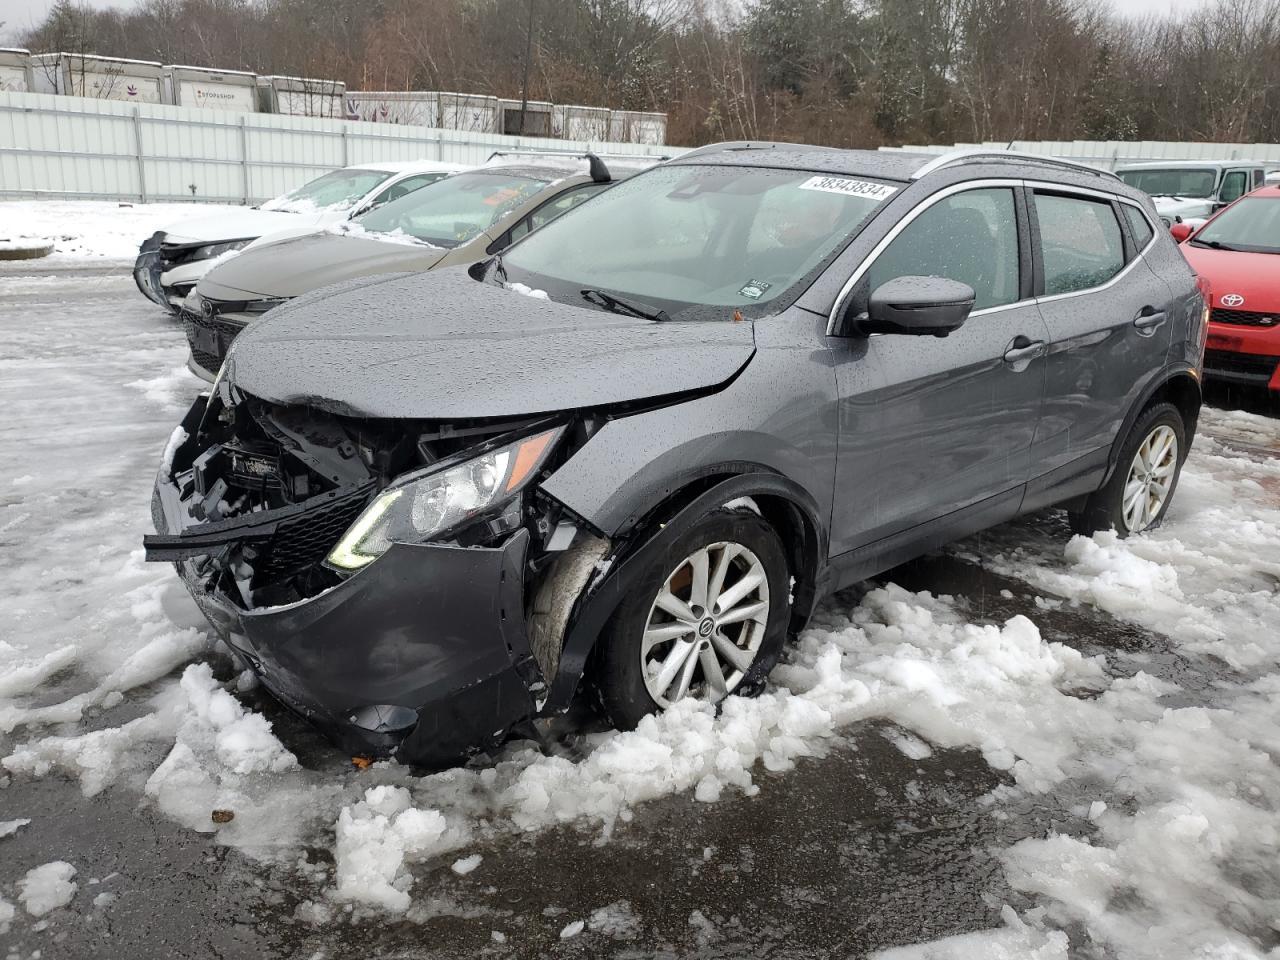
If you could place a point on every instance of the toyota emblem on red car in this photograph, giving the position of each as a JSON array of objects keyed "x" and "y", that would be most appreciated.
[{"x": 1232, "y": 300}]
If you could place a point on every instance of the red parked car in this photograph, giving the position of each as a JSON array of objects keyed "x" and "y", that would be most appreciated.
[{"x": 1238, "y": 252}]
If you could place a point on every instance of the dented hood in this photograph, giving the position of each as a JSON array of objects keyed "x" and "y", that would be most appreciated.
[
  {"x": 442, "y": 345},
  {"x": 297, "y": 266}
]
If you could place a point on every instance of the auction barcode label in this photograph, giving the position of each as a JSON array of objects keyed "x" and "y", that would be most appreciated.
[{"x": 850, "y": 188}]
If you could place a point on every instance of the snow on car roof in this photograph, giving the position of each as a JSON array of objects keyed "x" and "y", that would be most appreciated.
[{"x": 409, "y": 166}]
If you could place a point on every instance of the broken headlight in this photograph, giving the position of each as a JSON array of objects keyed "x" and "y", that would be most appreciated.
[
  {"x": 211, "y": 250},
  {"x": 423, "y": 505}
]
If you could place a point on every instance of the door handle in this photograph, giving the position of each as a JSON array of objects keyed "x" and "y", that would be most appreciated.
[
  {"x": 1149, "y": 319},
  {"x": 1023, "y": 349}
]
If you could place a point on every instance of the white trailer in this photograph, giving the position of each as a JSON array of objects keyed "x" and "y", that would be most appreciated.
[
  {"x": 302, "y": 97},
  {"x": 580, "y": 123},
  {"x": 15, "y": 70},
  {"x": 470, "y": 112},
  {"x": 411, "y": 108},
  {"x": 634, "y": 126},
  {"x": 537, "y": 118},
  {"x": 211, "y": 89},
  {"x": 103, "y": 78}
]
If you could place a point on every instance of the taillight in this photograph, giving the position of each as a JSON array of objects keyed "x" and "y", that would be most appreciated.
[{"x": 1206, "y": 293}]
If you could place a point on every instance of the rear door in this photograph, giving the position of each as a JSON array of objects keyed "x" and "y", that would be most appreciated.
[
  {"x": 1105, "y": 310},
  {"x": 930, "y": 427}
]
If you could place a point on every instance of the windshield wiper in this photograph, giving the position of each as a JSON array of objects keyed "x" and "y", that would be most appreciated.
[
  {"x": 1215, "y": 244},
  {"x": 636, "y": 308}
]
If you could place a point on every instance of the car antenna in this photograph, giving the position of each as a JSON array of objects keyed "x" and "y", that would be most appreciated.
[{"x": 599, "y": 172}]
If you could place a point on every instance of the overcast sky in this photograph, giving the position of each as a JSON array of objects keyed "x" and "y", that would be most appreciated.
[{"x": 17, "y": 15}]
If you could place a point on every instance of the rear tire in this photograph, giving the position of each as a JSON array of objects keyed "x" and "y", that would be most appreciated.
[
  {"x": 1137, "y": 496},
  {"x": 708, "y": 619}
]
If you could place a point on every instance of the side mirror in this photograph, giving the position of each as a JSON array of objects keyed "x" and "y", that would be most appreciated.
[
  {"x": 914, "y": 305},
  {"x": 1180, "y": 232}
]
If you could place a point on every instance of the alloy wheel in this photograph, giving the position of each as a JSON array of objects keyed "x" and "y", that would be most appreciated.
[
  {"x": 706, "y": 625},
  {"x": 1151, "y": 476}
]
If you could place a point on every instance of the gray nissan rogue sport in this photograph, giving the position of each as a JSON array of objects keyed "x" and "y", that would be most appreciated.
[{"x": 638, "y": 447}]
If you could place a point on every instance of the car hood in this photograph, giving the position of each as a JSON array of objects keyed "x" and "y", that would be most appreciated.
[
  {"x": 240, "y": 224},
  {"x": 1253, "y": 276},
  {"x": 297, "y": 266},
  {"x": 442, "y": 345}
]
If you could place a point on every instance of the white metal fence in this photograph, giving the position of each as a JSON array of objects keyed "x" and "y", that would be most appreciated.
[
  {"x": 58, "y": 146},
  {"x": 1109, "y": 154}
]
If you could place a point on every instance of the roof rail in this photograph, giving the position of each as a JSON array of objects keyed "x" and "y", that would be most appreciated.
[{"x": 976, "y": 153}]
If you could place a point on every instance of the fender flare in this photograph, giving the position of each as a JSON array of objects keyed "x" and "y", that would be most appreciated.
[{"x": 631, "y": 559}]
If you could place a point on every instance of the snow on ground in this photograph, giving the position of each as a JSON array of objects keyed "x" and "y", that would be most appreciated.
[
  {"x": 1177, "y": 852},
  {"x": 94, "y": 230},
  {"x": 47, "y": 887}
]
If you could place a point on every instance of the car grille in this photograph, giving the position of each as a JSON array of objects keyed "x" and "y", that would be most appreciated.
[
  {"x": 208, "y": 362},
  {"x": 307, "y": 539},
  {"x": 223, "y": 332},
  {"x": 1240, "y": 367},
  {"x": 1244, "y": 318}
]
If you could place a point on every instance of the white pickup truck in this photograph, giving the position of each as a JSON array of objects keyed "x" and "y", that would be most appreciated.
[{"x": 1194, "y": 189}]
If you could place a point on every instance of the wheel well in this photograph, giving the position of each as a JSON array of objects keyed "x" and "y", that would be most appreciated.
[
  {"x": 1184, "y": 393},
  {"x": 782, "y": 504},
  {"x": 799, "y": 534}
]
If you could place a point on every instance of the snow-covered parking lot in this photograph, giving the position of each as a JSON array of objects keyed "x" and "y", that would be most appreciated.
[{"x": 1031, "y": 746}]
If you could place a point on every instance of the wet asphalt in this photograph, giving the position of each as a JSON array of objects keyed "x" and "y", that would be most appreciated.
[
  {"x": 851, "y": 852},
  {"x": 854, "y": 851}
]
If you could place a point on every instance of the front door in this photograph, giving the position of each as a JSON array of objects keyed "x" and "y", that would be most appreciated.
[{"x": 935, "y": 428}]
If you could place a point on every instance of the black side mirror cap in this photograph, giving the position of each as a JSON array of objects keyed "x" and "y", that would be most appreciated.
[{"x": 913, "y": 305}]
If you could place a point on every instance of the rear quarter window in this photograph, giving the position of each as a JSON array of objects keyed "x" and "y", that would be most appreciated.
[{"x": 1139, "y": 226}]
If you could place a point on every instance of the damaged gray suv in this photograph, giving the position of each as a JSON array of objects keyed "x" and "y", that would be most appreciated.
[{"x": 636, "y": 449}]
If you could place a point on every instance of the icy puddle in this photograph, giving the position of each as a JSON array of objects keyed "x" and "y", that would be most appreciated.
[{"x": 1161, "y": 758}]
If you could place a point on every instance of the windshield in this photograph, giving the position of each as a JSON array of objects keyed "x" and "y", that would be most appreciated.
[
  {"x": 454, "y": 210},
  {"x": 1251, "y": 224},
  {"x": 1191, "y": 182},
  {"x": 679, "y": 237},
  {"x": 334, "y": 191}
]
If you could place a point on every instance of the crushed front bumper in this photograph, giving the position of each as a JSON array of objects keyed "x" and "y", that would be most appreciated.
[
  {"x": 422, "y": 654},
  {"x": 147, "y": 269}
]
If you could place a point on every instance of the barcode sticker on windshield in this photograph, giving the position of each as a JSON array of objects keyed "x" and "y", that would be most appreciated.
[{"x": 850, "y": 188}]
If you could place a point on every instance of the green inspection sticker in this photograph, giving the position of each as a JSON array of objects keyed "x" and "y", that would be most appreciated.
[{"x": 754, "y": 289}]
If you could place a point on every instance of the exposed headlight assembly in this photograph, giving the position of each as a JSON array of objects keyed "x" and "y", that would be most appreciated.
[
  {"x": 211, "y": 250},
  {"x": 262, "y": 306},
  {"x": 423, "y": 505}
]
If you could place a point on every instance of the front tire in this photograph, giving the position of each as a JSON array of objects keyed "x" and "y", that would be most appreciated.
[
  {"x": 1137, "y": 496},
  {"x": 708, "y": 619}
]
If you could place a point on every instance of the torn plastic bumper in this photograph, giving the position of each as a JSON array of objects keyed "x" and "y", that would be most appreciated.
[
  {"x": 147, "y": 269},
  {"x": 424, "y": 653}
]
